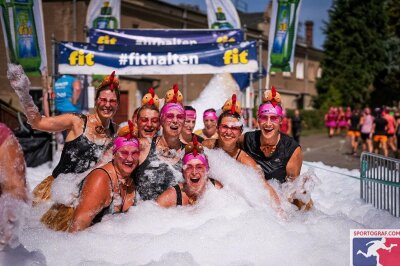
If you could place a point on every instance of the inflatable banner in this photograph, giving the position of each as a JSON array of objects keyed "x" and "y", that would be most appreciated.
[
  {"x": 88, "y": 59},
  {"x": 163, "y": 37}
]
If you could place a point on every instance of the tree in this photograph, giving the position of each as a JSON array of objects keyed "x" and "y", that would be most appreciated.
[
  {"x": 354, "y": 51},
  {"x": 387, "y": 85}
]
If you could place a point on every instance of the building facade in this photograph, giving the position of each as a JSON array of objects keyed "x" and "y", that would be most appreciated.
[{"x": 65, "y": 21}]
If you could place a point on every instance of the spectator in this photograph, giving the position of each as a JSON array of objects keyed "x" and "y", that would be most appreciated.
[{"x": 296, "y": 125}]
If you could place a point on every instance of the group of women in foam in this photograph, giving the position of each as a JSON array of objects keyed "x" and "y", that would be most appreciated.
[{"x": 146, "y": 165}]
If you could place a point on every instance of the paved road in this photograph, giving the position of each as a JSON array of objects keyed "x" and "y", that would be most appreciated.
[{"x": 331, "y": 151}]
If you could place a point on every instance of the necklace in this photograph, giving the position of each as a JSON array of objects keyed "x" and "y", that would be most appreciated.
[
  {"x": 192, "y": 200},
  {"x": 100, "y": 129},
  {"x": 165, "y": 151},
  {"x": 122, "y": 183},
  {"x": 269, "y": 149}
]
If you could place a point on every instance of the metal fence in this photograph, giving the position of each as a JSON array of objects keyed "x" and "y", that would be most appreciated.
[{"x": 380, "y": 182}]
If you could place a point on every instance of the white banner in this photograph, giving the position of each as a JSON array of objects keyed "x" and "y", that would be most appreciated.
[
  {"x": 103, "y": 14},
  {"x": 222, "y": 14},
  {"x": 282, "y": 35}
]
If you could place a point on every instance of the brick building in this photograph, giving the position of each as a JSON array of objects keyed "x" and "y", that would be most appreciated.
[{"x": 296, "y": 88}]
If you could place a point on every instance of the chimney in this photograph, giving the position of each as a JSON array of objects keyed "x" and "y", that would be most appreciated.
[{"x": 309, "y": 33}]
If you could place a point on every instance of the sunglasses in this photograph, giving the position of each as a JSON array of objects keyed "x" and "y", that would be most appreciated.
[
  {"x": 104, "y": 101},
  {"x": 272, "y": 118},
  {"x": 125, "y": 154},
  {"x": 153, "y": 120},
  {"x": 169, "y": 117},
  {"x": 197, "y": 167},
  {"x": 224, "y": 127}
]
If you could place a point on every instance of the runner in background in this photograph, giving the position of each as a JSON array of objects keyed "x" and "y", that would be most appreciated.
[
  {"x": 354, "y": 130},
  {"x": 391, "y": 129},
  {"x": 341, "y": 122},
  {"x": 366, "y": 129},
  {"x": 379, "y": 129},
  {"x": 397, "y": 117},
  {"x": 330, "y": 121},
  {"x": 296, "y": 125}
]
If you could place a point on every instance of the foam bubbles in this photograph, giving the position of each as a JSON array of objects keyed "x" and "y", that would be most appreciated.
[{"x": 234, "y": 225}]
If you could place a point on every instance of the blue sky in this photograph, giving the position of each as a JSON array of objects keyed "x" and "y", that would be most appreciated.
[{"x": 315, "y": 10}]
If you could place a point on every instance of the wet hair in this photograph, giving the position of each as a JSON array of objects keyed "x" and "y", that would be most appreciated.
[
  {"x": 188, "y": 107},
  {"x": 105, "y": 85},
  {"x": 135, "y": 113},
  {"x": 228, "y": 114},
  {"x": 148, "y": 107},
  {"x": 209, "y": 110}
]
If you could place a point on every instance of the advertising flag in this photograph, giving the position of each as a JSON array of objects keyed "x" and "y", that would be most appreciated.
[
  {"x": 22, "y": 24},
  {"x": 282, "y": 35},
  {"x": 103, "y": 14},
  {"x": 84, "y": 58},
  {"x": 222, "y": 14},
  {"x": 163, "y": 36}
]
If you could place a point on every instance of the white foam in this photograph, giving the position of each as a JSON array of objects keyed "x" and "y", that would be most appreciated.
[{"x": 234, "y": 225}]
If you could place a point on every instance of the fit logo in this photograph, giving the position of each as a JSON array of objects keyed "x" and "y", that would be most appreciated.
[
  {"x": 79, "y": 58},
  {"x": 106, "y": 40},
  {"x": 234, "y": 57},
  {"x": 225, "y": 39}
]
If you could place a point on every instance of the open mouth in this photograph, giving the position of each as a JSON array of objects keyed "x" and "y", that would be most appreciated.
[
  {"x": 174, "y": 127},
  {"x": 129, "y": 164},
  {"x": 150, "y": 130},
  {"x": 194, "y": 180},
  {"x": 268, "y": 129},
  {"x": 106, "y": 111}
]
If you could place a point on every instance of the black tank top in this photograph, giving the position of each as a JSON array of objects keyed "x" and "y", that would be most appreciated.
[
  {"x": 80, "y": 154},
  {"x": 275, "y": 165},
  {"x": 178, "y": 191},
  {"x": 355, "y": 123},
  {"x": 154, "y": 176},
  {"x": 108, "y": 209}
]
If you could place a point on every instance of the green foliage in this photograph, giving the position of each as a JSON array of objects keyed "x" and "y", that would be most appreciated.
[
  {"x": 333, "y": 97},
  {"x": 387, "y": 85},
  {"x": 354, "y": 52},
  {"x": 311, "y": 119}
]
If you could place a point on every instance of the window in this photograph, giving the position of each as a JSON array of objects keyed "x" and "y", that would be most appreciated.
[
  {"x": 311, "y": 72},
  {"x": 319, "y": 73},
  {"x": 300, "y": 70},
  {"x": 286, "y": 74}
]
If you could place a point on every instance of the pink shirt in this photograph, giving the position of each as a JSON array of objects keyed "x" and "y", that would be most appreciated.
[
  {"x": 367, "y": 125},
  {"x": 391, "y": 123}
]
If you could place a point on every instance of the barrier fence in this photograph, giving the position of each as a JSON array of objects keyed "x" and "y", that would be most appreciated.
[{"x": 380, "y": 182}]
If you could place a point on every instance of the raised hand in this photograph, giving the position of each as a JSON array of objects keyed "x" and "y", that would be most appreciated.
[{"x": 21, "y": 84}]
